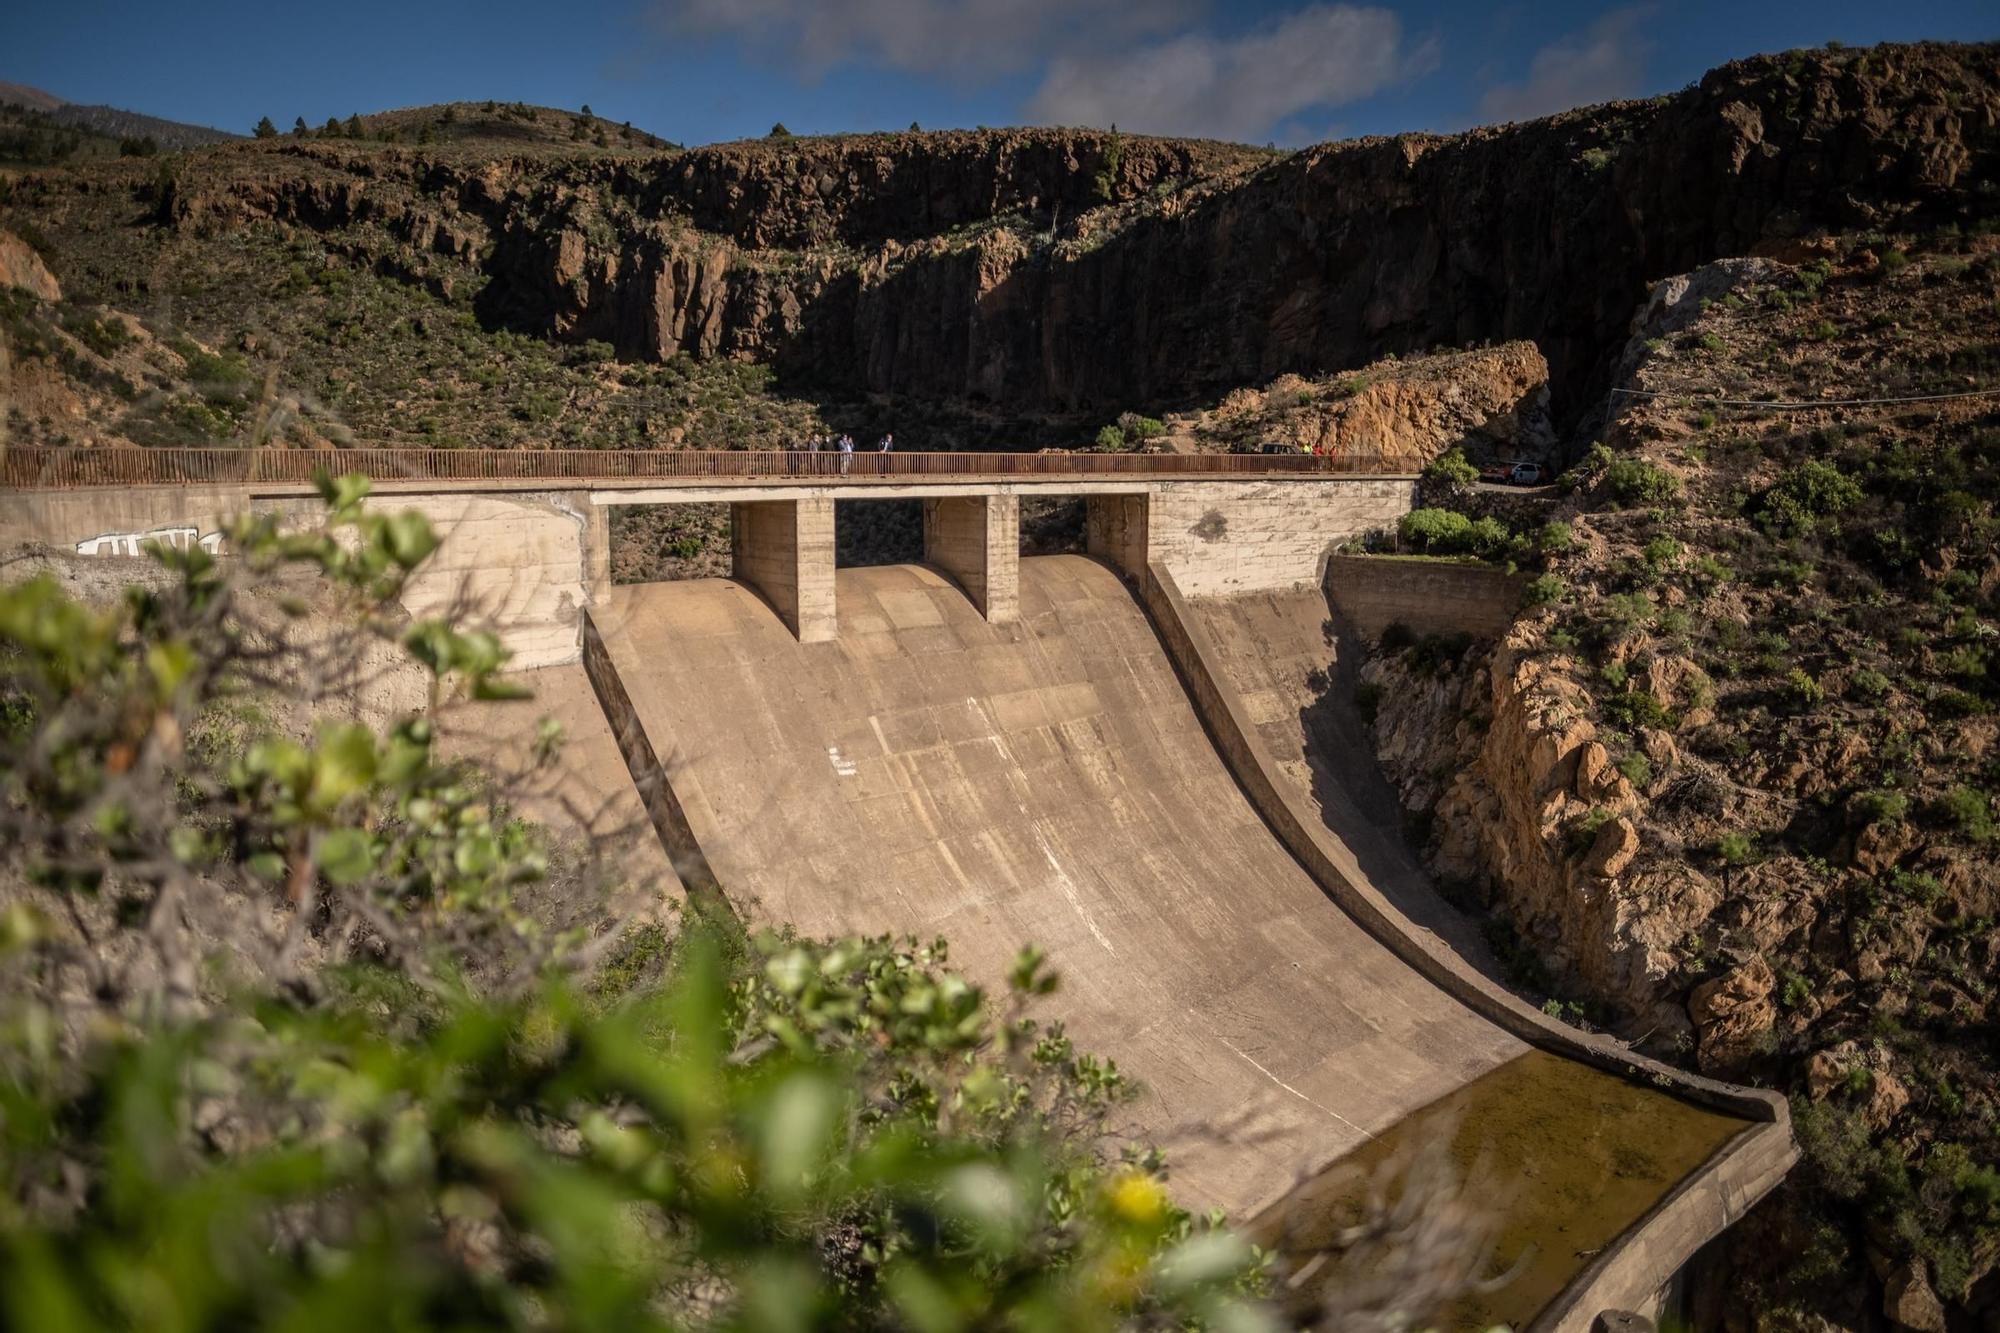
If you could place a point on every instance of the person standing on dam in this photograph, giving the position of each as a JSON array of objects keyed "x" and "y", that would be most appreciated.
[
  {"x": 888, "y": 444},
  {"x": 846, "y": 453}
]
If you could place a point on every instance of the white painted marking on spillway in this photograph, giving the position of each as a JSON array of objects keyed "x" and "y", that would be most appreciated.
[
  {"x": 1245, "y": 1057},
  {"x": 1068, "y": 888}
]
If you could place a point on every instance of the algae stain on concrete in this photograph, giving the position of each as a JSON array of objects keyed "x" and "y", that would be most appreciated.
[{"x": 1561, "y": 1156}]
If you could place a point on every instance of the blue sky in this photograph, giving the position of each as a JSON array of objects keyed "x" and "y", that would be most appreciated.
[{"x": 705, "y": 70}]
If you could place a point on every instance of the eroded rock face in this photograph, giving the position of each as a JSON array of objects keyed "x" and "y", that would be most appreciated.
[
  {"x": 21, "y": 267},
  {"x": 1733, "y": 1014},
  {"x": 1491, "y": 400},
  {"x": 1503, "y": 800},
  {"x": 1069, "y": 271}
]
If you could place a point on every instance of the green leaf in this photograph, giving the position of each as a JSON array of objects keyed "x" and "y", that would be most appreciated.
[
  {"x": 169, "y": 664},
  {"x": 1204, "y": 1260},
  {"x": 342, "y": 494},
  {"x": 343, "y": 764},
  {"x": 409, "y": 538},
  {"x": 346, "y": 856},
  {"x": 794, "y": 1133}
]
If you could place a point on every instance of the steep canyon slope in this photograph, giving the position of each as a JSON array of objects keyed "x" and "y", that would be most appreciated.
[
  {"x": 1736, "y": 780},
  {"x": 1016, "y": 275}
]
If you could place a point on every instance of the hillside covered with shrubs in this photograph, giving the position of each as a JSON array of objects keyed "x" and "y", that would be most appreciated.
[{"x": 1769, "y": 604}]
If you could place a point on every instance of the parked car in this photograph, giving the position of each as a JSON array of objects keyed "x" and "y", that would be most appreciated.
[
  {"x": 1497, "y": 474},
  {"x": 1525, "y": 474}
]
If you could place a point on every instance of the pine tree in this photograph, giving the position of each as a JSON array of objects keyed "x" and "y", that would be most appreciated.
[
  {"x": 330, "y": 130},
  {"x": 299, "y": 130},
  {"x": 778, "y": 131},
  {"x": 354, "y": 130},
  {"x": 265, "y": 129},
  {"x": 586, "y": 111}
]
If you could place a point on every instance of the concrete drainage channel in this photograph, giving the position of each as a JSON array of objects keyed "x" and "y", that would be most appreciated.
[{"x": 1086, "y": 777}]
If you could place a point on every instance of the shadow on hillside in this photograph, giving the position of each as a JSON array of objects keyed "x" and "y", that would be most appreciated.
[{"x": 1360, "y": 806}]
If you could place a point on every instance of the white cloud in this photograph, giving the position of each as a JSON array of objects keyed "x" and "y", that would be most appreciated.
[
  {"x": 986, "y": 37},
  {"x": 1603, "y": 63},
  {"x": 1234, "y": 87}
]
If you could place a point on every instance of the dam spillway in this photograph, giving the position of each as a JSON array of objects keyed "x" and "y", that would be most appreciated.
[
  {"x": 1157, "y": 790},
  {"x": 929, "y": 772}
]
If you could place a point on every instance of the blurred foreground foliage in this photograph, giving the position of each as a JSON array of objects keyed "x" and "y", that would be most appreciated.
[{"x": 281, "y": 1048}]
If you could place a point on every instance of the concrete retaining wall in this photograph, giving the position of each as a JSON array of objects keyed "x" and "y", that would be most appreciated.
[
  {"x": 528, "y": 562},
  {"x": 1223, "y": 537},
  {"x": 1429, "y": 596},
  {"x": 518, "y": 562},
  {"x": 1631, "y": 1271},
  {"x": 663, "y": 806}
]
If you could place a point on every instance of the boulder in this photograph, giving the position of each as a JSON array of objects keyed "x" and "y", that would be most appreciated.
[
  {"x": 21, "y": 266},
  {"x": 1732, "y": 1015},
  {"x": 1616, "y": 845},
  {"x": 1908, "y": 1300},
  {"x": 1826, "y": 1071},
  {"x": 1887, "y": 1096}
]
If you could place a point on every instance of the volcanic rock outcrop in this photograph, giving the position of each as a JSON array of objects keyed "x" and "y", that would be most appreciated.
[{"x": 1063, "y": 271}]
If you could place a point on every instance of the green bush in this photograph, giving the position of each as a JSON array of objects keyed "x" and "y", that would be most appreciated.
[
  {"x": 1583, "y": 830},
  {"x": 1735, "y": 849},
  {"x": 1661, "y": 552},
  {"x": 1109, "y": 440},
  {"x": 1554, "y": 538},
  {"x": 1805, "y": 494},
  {"x": 1543, "y": 590},
  {"x": 1489, "y": 538},
  {"x": 1625, "y": 613},
  {"x": 1634, "y": 482},
  {"x": 1638, "y": 770},
  {"x": 1638, "y": 708},
  {"x": 1967, "y": 810},
  {"x": 1451, "y": 468},
  {"x": 1438, "y": 530},
  {"x": 1138, "y": 428},
  {"x": 1710, "y": 572},
  {"x": 1881, "y": 807},
  {"x": 1958, "y": 703},
  {"x": 1867, "y": 683},
  {"x": 1801, "y": 690}
]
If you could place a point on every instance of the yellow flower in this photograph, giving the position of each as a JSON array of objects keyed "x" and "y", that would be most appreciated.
[{"x": 1137, "y": 1198}]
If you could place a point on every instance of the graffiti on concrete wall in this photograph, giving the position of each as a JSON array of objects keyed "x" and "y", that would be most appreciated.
[{"x": 133, "y": 543}]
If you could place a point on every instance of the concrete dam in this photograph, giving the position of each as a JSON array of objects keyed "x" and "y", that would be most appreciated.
[{"x": 1141, "y": 759}]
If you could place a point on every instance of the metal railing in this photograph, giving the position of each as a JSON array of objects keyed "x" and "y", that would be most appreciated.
[{"x": 57, "y": 469}]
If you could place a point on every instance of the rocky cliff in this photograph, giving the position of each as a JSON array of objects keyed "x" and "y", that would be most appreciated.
[
  {"x": 1086, "y": 273},
  {"x": 1733, "y": 778}
]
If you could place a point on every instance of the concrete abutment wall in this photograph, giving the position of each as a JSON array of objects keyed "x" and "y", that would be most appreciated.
[
  {"x": 523, "y": 563},
  {"x": 976, "y": 539},
  {"x": 784, "y": 549}
]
